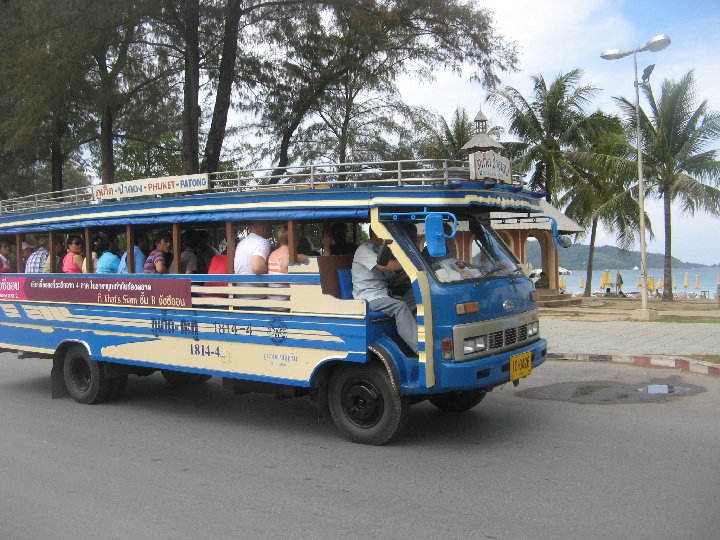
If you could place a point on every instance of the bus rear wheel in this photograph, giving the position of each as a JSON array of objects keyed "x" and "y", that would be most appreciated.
[
  {"x": 364, "y": 405},
  {"x": 84, "y": 378},
  {"x": 460, "y": 401},
  {"x": 181, "y": 378}
]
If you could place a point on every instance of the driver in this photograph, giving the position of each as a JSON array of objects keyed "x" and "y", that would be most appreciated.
[{"x": 371, "y": 282}]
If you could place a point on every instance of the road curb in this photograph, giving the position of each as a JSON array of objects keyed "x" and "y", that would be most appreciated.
[{"x": 674, "y": 362}]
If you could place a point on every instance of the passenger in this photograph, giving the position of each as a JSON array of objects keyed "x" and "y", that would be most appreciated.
[
  {"x": 279, "y": 259},
  {"x": 58, "y": 250},
  {"x": 188, "y": 259},
  {"x": 218, "y": 265},
  {"x": 543, "y": 281},
  {"x": 140, "y": 253},
  {"x": 73, "y": 261},
  {"x": 5, "y": 265},
  {"x": 371, "y": 283},
  {"x": 158, "y": 262},
  {"x": 252, "y": 252},
  {"x": 204, "y": 251},
  {"x": 305, "y": 247},
  {"x": 107, "y": 261},
  {"x": 27, "y": 250},
  {"x": 335, "y": 241},
  {"x": 36, "y": 260}
]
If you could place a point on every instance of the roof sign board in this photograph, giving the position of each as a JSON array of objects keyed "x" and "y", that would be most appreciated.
[
  {"x": 490, "y": 165},
  {"x": 152, "y": 186}
]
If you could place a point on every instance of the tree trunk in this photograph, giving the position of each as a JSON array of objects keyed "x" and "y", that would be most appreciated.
[
  {"x": 216, "y": 135},
  {"x": 591, "y": 253},
  {"x": 107, "y": 161},
  {"x": 667, "y": 269},
  {"x": 191, "y": 88},
  {"x": 57, "y": 156}
]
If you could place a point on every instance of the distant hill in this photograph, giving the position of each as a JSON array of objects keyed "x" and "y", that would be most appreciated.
[{"x": 576, "y": 258}]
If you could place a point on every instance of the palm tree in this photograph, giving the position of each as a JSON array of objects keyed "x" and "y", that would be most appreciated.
[
  {"x": 548, "y": 124},
  {"x": 445, "y": 141},
  {"x": 678, "y": 165},
  {"x": 605, "y": 193}
]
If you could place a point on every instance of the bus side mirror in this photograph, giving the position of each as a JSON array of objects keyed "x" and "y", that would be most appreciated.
[{"x": 435, "y": 235}]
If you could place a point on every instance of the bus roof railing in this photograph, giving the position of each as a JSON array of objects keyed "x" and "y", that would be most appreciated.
[{"x": 427, "y": 172}]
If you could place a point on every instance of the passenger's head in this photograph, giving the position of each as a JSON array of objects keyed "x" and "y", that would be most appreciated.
[
  {"x": 282, "y": 236},
  {"x": 304, "y": 246},
  {"x": 190, "y": 239},
  {"x": 100, "y": 243},
  {"x": 203, "y": 238},
  {"x": 4, "y": 248},
  {"x": 338, "y": 231},
  {"x": 142, "y": 241},
  {"x": 261, "y": 228},
  {"x": 163, "y": 241},
  {"x": 27, "y": 249},
  {"x": 74, "y": 243}
]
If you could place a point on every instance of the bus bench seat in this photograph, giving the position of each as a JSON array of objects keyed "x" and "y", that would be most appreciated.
[{"x": 345, "y": 281}]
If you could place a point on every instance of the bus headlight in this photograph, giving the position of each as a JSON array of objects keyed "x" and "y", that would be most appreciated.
[
  {"x": 474, "y": 344},
  {"x": 533, "y": 328}
]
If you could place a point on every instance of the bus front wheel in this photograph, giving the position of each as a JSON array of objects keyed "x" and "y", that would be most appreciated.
[
  {"x": 364, "y": 405},
  {"x": 84, "y": 378},
  {"x": 460, "y": 401}
]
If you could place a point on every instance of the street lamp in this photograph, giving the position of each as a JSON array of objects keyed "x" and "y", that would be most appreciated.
[{"x": 658, "y": 43}]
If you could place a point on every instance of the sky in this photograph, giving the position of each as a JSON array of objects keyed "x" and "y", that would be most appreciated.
[{"x": 557, "y": 36}]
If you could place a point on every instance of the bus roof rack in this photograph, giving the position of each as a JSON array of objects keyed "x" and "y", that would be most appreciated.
[{"x": 426, "y": 172}]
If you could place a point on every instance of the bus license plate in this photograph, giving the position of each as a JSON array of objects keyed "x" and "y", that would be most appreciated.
[{"x": 520, "y": 365}]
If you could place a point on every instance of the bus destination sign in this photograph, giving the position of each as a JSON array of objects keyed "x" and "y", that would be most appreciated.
[{"x": 152, "y": 186}]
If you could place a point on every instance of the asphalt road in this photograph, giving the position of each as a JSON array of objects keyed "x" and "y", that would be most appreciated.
[{"x": 202, "y": 463}]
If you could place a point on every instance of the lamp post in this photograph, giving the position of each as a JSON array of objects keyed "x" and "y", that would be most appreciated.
[{"x": 655, "y": 44}]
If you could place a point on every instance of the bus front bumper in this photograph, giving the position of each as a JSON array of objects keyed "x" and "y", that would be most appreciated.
[{"x": 484, "y": 372}]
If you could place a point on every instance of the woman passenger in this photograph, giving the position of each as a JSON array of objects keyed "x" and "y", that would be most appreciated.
[
  {"x": 107, "y": 261},
  {"x": 279, "y": 259},
  {"x": 73, "y": 261}
]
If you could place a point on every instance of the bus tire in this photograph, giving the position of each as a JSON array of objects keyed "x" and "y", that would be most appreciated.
[
  {"x": 180, "y": 378},
  {"x": 84, "y": 378},
  {"x": 117, "y": 387},
  {"x": 459, "y": 401},
  {"x": 365, "y": 405}
]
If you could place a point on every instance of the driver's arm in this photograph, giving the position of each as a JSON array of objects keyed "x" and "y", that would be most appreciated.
[{"x": 392, "y": 265}]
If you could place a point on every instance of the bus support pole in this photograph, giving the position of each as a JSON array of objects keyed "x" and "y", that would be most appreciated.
[
  {"x": 230, "y": 240},
  {"x": 130, "y": 245},
  {"x": 87, "y": 234},
  {"x": 177, "y": 248}
]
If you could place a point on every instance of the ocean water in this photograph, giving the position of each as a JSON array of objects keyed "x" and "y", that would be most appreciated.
[{"x": 707, "y": 277}]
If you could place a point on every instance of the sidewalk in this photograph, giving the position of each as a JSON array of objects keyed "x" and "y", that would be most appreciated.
[{"x": 663, "y": 344}]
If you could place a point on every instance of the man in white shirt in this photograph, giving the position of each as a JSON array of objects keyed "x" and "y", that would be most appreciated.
[
  {"x": 252, "y": 252},
  {"x": 371, "y": 282}
]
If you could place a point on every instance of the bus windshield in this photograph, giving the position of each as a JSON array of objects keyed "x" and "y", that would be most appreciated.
[{"x": 492, "y": 260}]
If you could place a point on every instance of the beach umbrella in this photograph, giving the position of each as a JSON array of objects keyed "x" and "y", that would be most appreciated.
[
  {"x": 686, "y": 281},
  {"x": 650, "y": 283},
  {"x": 639, "y": 283},
  {"x": 582, "y": 282},
  {"x": 697, "y": 281},
  {"x": 619, "y": 280},
  {"x": 605, "y": 281},
  {"x": 661, "y": 283}
]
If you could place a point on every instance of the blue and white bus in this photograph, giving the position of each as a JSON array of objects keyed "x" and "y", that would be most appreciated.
[{"x": 477, "y": 320}]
